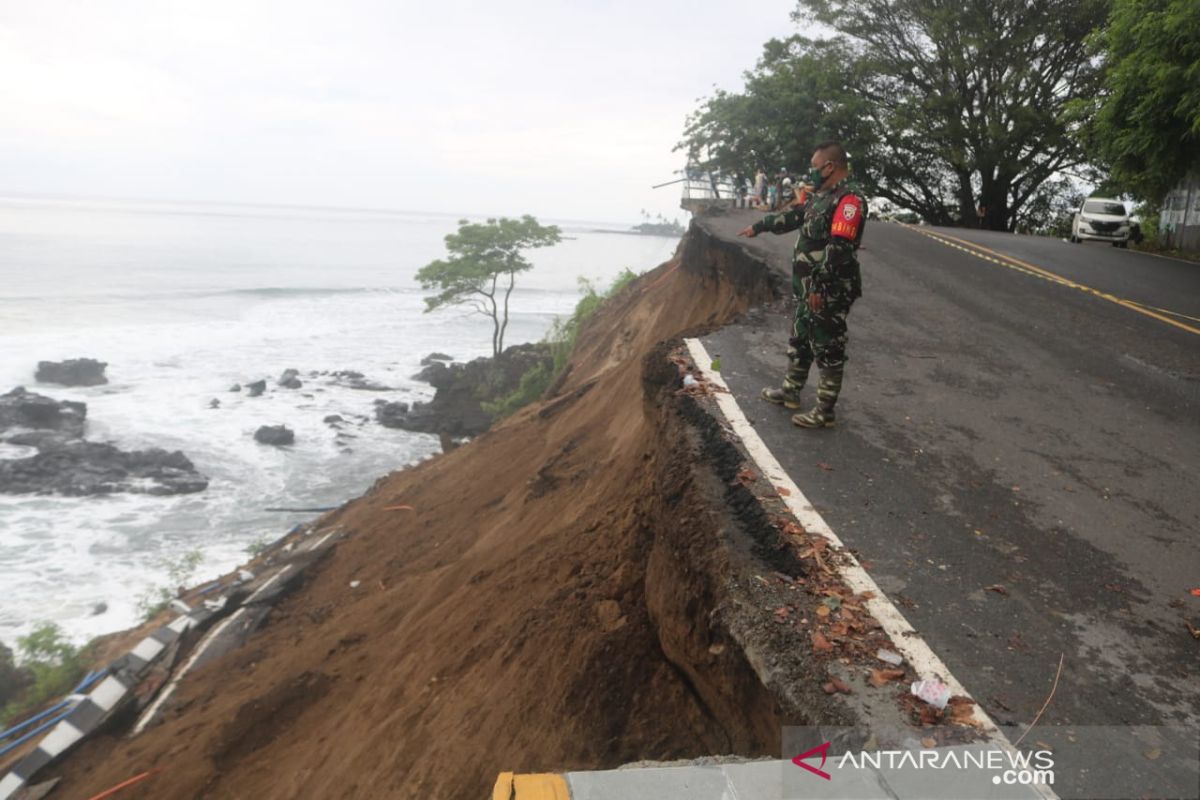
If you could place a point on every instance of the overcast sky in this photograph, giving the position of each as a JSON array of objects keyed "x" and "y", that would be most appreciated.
[{"x": 560, "y": 109}]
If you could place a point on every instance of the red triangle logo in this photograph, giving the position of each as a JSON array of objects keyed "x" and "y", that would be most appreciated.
[{"x": 823, "y": 749}]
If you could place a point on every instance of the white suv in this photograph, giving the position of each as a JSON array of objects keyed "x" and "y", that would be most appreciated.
[{"x": 1103, "y": 220}]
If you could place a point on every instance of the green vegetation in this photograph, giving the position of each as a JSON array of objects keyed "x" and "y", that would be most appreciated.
[
  {"x": 943, "y": 107},
  {"x": 483, "y": 257},
  {"x": 180, "y": 571},
  {"x": 49, "y": 668},
  {"x": 561, "y": 341},
  {"x": 1145, "y": 126},
  {"x": 661, "y": 227},
  {"x": 257, "y": 547}
]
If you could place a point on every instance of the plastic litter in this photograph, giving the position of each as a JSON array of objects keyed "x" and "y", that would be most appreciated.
[
  {"x": 895, "y": 659},
  {"x": 355, "y": 584},
  {"x": 934, "y": 692},
  {"x": 689, "y": 380}
]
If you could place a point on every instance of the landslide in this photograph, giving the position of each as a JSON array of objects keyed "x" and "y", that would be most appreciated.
[{"x": 527, "y": 614}]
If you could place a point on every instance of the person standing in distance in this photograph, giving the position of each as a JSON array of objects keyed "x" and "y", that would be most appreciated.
[{"x": 826, "y": 281}]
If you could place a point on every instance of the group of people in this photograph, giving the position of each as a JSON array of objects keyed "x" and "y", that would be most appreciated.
[{"x": 772, "y": 194}]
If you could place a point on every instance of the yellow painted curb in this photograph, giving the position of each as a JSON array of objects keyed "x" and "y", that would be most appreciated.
[
  {"x": 545, "y": 786},
  {"x": 503, "y": 790}
]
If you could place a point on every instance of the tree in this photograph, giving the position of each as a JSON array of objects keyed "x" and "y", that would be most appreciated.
[
  {"x": 1146, "y": 125},
  {"x": 795, "y": 97},
  {"x": 483, "y": 258},
  {"x": 944, "y": 106}
]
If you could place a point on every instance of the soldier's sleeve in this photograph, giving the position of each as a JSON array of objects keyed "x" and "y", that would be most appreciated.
[
  {"x": 844, "y": 236},
  {"x": 780, "y": 223}
]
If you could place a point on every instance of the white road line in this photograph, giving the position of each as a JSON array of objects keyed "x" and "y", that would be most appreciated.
[
  {"x": 905, "y": 638},
  {"x": 319, "y": 542},
  {"x": 268, "y": 583},
  {"x": 201, "y": 648},
  {"x": 208, "y": 639}
]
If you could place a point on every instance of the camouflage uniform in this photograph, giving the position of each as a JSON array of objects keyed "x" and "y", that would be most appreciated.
[{"x": 824, "y": 262}]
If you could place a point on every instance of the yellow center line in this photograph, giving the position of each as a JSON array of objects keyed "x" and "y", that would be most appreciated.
[{"x": 987, "y": 254}]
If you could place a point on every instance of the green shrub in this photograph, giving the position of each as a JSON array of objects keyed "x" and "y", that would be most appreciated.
[
  {"x": 180, "y": 570},
  {"x": 56, "y": 667},
  {"x": 561, "y": 339}
]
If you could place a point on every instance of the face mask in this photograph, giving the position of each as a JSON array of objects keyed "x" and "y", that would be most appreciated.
[{"x": 815, "y": 178}]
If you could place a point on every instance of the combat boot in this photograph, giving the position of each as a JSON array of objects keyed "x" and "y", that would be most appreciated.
[
  {"x": 828, "y": 389},
  {"x": 784, "y": 396}
]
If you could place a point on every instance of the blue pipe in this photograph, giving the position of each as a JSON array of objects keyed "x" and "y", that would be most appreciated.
[
  {"x": 91, "y": 678},
  {"x": 36, "y": 731},
  {"x": 88, "y": 680},
  {"x": 33, "y": 719}
]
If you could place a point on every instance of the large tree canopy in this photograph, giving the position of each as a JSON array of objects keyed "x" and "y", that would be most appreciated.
[
  {"x": 792, "y": 100},
  {"x": 482, "y": 267},
  {"x": 944, "y": 106},
  {"x": 1147, "y": 125}
]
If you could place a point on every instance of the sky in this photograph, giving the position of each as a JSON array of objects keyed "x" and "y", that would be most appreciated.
[{"x": 564, "y": 110}]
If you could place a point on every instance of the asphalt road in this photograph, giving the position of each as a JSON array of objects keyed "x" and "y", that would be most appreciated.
[{"x": 1017, "y": 461}]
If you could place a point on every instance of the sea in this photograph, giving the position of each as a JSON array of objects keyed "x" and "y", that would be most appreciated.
[{"x": 184, "y": 301}]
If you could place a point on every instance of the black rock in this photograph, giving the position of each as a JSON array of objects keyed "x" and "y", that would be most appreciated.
[
  {"x": 72, "y": 372},
  {"x": 457, "y": 408},
  {"x": 277, "y": 435},
  {"x": 66, "y": 464},
  {"x": 256, "y": 388},
  {"x": 99, "y": 608},
  {"x": 78, "y": 468},
  {"x": 352, "y": 379},
  {"x": 333, "y": 419},
  {"x": 391, "y": 415},
  {"x": 214, "y": 403},
  {"x": 290, "y": 379},
  {"x": 22, "y": 409},
  {"x": 237, "y": 387},
  {"x": 431, "y": 373},
  {"x": 433, "y": 357}
]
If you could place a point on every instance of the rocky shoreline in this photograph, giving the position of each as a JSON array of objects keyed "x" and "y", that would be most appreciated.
[
  {"x": 44, "y": 449},
  {"x": 63, "y": 462},
  {"x": 463, "y": 391}
]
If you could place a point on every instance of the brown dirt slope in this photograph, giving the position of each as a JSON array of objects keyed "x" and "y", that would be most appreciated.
[{"x": 502, "y": 625}]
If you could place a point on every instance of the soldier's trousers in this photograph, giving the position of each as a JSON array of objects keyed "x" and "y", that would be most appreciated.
[{"x": 817, "y": 336}]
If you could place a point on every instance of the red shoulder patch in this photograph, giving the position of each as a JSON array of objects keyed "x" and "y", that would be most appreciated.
[{"x": 847, "y": 218}]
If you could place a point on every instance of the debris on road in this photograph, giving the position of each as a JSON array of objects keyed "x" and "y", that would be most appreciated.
[
  {"x": 933, "y": 692},
  {"x": 882, "y": 677},
  {"x": 835, "y": 685},
  {"x": 890, "y": 657}
]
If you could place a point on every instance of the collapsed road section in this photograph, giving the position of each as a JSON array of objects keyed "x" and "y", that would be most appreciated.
[{"x": 606, "y": 577}]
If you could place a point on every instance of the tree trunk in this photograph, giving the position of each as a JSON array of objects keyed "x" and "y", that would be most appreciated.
[
  {"x": 504, "y": 324},
  {"x": 495, "y": 320},
  {"x": 966, "y": 200},
  {"x": 994, "y": 198}
]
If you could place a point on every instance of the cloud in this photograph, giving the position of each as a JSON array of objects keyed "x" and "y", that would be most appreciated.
[{"x": 567, "y": 110}]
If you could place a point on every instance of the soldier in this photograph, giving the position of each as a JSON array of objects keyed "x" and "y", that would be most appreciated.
[{"x": 825, "y": 281}]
